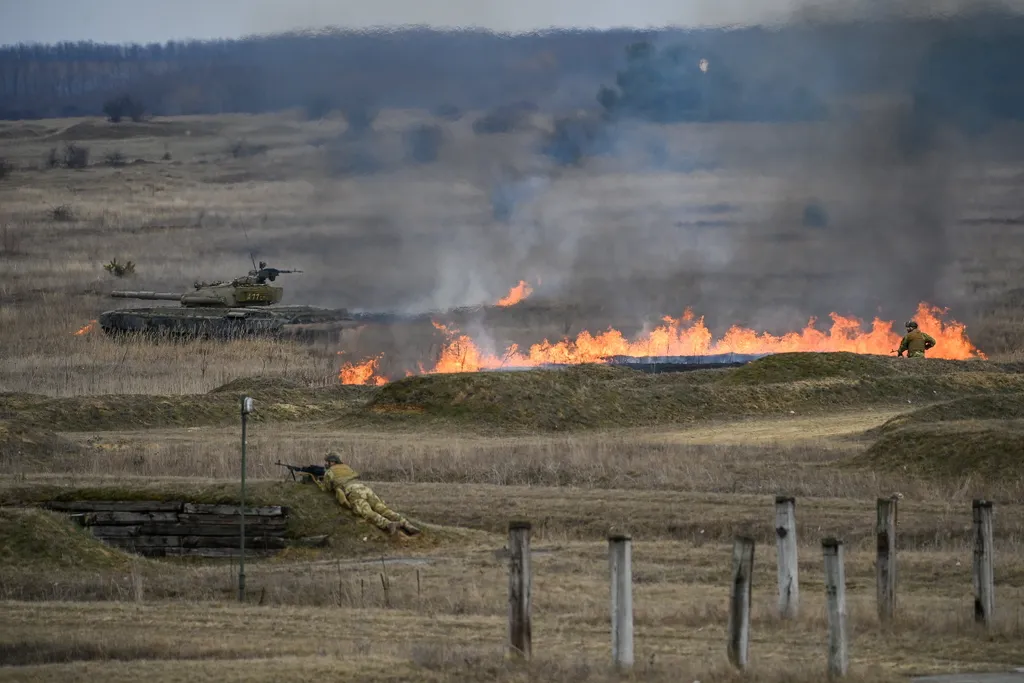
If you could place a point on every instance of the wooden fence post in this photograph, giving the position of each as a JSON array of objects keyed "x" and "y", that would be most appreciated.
[
  {"x": 785, "y": 536},
  {"x": 885, "y": 562},
  {"x": 519, "y": 580},
  {"x": 835, "y": 598},
  {"x": 984, "y": 575},
  {"x": 620, "y": 560},
  {"x": 739, "y": 601}
]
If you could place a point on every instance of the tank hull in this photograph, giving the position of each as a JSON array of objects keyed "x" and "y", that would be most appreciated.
[{"x": 301, "y": 323}]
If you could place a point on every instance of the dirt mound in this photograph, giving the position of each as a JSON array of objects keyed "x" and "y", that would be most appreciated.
[
  {"x": 22, "y": 131},
  {"x": 987, "y": 448},
  {"x": 792, "y": 367},
  {"x": 584, "y": 397},
  {"x": 30, "y": 537},
  {"x": 274, "y": 402},
  {"x": 250, "y": 385},
  {"x": 984, "y": 407},
  {"x": 550, "y": 399},
  {"x": 104, "y": 130},
  {"x": 20, "y": 443}
]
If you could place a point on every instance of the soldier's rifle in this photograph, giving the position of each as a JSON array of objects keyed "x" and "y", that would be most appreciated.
[{"x": 315, "y": 471}]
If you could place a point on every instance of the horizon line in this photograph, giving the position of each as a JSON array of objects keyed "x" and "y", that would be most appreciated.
[{"x": 381, "y": 29}]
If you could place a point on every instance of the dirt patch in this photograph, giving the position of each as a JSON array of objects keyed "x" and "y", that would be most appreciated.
[{"x": 30, "y": 537}]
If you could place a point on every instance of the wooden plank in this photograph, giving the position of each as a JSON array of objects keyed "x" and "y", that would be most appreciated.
[
  {"x": 216, "y": 552},
  {"x": 982, "y": 567},
  {"x": 207, "y": 509},
  {"x": 738, "y": 648},
  {"x": 251, "y": 542},
  {"x": 145, "y": 542},
  {"x": 885, "y": 558},
  {"x": 520, "y": 636},
  {"x": 257, "y": 543},
  {"x": 835, "y": 607},
  {"x": 113, "y": 518},
  {"x": 252, "y": 521},
  {"x": 231, "y": 530},
  {"x": 787, "y": 552},
  {"x": 114, "y": 506},
  {"x": 114, "y": 531}
]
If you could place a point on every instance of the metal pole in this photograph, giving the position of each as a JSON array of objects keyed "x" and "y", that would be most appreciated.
[{"x": 246, "y": 409}]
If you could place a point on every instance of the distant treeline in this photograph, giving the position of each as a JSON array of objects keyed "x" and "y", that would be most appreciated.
[{"x": 968, "y": 69}]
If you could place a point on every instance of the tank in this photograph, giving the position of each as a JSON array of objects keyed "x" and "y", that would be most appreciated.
[{"x": 246, "y": 306}]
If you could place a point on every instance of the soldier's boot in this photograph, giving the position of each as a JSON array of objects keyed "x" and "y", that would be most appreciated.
[
  {"x": 393, "y": 527},
  {"x": 408, "y": 528}
]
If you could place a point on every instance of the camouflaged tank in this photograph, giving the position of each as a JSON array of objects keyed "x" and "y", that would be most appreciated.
[{"x": 246, "y": 306}]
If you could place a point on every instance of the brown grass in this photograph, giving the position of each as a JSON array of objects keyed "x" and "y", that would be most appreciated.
[
  {"x": 683, "y": 491},
  {"x": 341, "y": 610}
]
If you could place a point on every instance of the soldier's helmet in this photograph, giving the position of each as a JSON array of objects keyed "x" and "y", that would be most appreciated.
[
  {"x": 333, "y": 458},
  {"x": 911, "y": 325}
]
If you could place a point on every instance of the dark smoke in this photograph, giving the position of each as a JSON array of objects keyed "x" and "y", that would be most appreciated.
[
  {"x": 862, "y": 202},
  {"x": 824, "y": 167}
]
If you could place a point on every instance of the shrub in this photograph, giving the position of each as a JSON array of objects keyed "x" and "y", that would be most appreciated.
[
  {"x": 62, "y": 213},
  {"x": 75, "y": 156},
  {"x": 119, "y": 107},
  {"x": 115, "y": 159},
  {"x": 575, "y": 138},
  {"x": 423, "y": 143},
  {"x": 359, "y": 117},
  {"x": 448, "y": 112},
  {"x": 504, "y": 119},
  {"x": 118, "y": 269}
]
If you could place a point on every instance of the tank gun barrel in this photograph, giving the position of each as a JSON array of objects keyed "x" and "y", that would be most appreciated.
[{"x": 149, "y": 296}]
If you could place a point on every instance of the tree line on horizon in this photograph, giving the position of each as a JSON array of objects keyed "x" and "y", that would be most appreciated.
[{"x": 966, "y": 70}]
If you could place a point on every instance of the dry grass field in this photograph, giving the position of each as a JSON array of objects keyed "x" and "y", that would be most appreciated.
[{"x": 684, "y": 461}]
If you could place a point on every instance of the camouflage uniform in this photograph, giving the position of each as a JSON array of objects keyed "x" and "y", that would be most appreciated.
[
  {"x": 916, "y": 342},
  {"x": 360, "y": 498}
]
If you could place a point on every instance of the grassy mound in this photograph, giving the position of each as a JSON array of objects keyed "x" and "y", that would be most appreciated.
[
  {"x": 276, "y": 400},
  {"x": 986, "y": 448},
  {"x": 604, "y": 397},
  {"x": 33, "y": 537},
  {"x": 980, "y": 435},
  {"x": 96, "y": 129},
  {"x": 983, "y": 407},
  {"x": 311, "y": 512},
  {"x": 25, "y": 443},
  {"x": 794, "y": 367},
  {"x": 262, "y": 385}
]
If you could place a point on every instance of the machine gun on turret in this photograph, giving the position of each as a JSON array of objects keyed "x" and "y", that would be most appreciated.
[{"x": 263, "y": 273}]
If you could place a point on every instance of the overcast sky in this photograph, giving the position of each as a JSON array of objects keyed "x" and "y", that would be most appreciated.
[{"x": 142, "y": 21}]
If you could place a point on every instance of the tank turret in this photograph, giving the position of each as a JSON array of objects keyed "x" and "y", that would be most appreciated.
[{"x": 242, "y": 292}]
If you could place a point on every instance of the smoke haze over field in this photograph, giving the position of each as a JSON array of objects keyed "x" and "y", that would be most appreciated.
[{"x": 746, "y": 211}]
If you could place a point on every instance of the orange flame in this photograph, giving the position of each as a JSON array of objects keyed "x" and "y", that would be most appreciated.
[
  {"x": 361, "y": 373},
  {"x": 687, "y": 336},
  {"x": 516, "y": 294},
  {"x": 86, "y": 328}
]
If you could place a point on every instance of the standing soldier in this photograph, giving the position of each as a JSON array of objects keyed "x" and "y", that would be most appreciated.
[
  {"x": 916, "y": 342},
  {"x": 341, "y": 480}
]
